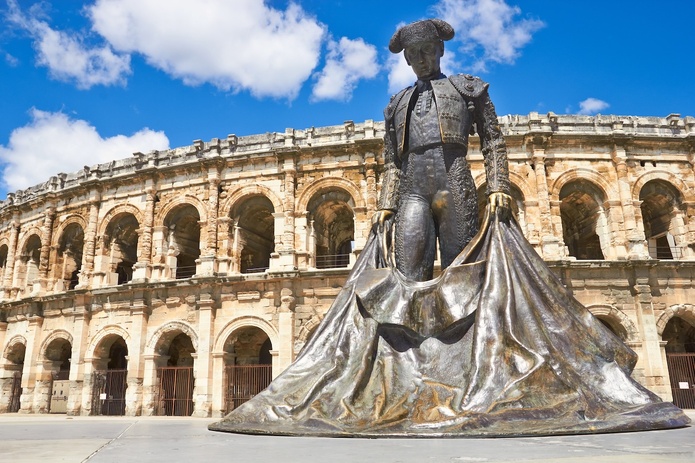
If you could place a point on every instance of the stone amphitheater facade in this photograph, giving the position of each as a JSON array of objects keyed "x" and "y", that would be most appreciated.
[{"x": 224, "y": 254}]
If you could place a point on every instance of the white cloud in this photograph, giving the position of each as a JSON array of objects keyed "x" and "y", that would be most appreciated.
[
  {"x": 67, "y": 57},
  {"x": 488, "y": 30},
  {"x": 233, "y": 44},
  {"x": 592, "y": 106},
  {"x": 53, "y": 143},
  {"x": 347, "y": 62}
]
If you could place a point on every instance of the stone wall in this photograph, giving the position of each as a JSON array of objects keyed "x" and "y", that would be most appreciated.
[{"x": 234, "y": 241}]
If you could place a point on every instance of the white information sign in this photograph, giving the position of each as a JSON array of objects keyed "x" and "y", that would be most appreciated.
[
  {"x": 102, "y": 396},
  {"x": 683, "y": 385}
]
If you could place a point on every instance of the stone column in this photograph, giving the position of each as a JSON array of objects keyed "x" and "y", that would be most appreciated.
[
  {"x": 551, "y": 245},
  {"x": 203, "y": 394},
  {"x": 285, "y": 348},
  {"x": 207, "y": 265},
  {"x": 142, "y": 269},
  {"x": 654, "y": 367},
  {"x": 139, "y": 317},
  {"x": 80, "y": 340},
  {"x": 46, "y": 237},
  {"x": 90, "y": 241},
  {"x": 284, "y": 221},
  {"x": 8, "y": 277},
  {"x": 29, "y": 373},
  {"x": 634, "y": 230},
  {"x": 220, "y": 360}
]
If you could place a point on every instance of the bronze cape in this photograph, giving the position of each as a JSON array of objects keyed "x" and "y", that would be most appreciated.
[{"x": 495, "y": 346}]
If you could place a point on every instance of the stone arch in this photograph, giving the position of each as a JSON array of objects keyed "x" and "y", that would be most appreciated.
[
  {"x": 245, "y": 322},
  {"x": 686, "y": 192},
  {"x": 9, "y": 347},
  {"x": 240, "y": 194},
  {"x": 167, "y": 332},
  {"x": 26, "y": 236},
  {"x": 685, "y": 311},
  {"x": 182, "y": 236},
  {"x": 71, "y": 219},
  {"x": 116, "y": 211},
  {"x": 619, "y": 318},
  {"x": 664, "y": 218},
  {"x": 185, "y": 200},
  {"x": 331, "y": 214},
  {"x": 57, "y": 334},
  {"x": 588, "y": 175},
  {"x": 305, "y": 332},
  {"x": 586, "y": 227},
  {"x": 109, "y": 330},
  {"x": 330, "y": 183}
]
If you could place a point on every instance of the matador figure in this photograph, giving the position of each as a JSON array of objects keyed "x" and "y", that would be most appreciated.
[{"x": 427, "y": 182}]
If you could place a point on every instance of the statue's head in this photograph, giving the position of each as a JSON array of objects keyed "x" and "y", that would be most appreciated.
[{"x": 423, "y": 45}]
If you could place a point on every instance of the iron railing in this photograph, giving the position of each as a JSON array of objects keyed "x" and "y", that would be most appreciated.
[
  {"x": 681, "y": 372},
  {"x": 332, "y": 261},
  {"x": 244, "y": 382},
  {"x": 185, "y": 272},
  {"x": 108, "y": 392},
  {"x": 175, "y": 391},
  {"x": 16, "y": 393}
]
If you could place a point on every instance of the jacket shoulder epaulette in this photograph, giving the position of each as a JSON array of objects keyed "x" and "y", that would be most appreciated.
[
  {"x": 393, "y": 104},
  {"x": 469, "y": 86}
]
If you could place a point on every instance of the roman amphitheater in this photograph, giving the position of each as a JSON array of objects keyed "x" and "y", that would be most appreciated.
[{"x": 179, "y": 282}]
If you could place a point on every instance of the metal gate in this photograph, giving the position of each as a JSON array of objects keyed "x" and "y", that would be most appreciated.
[
  {"x": 108, "y": 392},
  {"x": 175, "y": 391},
  {"x": 16, "y": 393},
  {"x": 244, "y": 382},
  {"x": 681, "y": 371}
]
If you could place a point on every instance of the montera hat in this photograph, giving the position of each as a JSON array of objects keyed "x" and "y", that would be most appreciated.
[{"x": 420, "y": 31}]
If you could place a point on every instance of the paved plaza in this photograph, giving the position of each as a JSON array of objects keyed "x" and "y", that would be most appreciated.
[{"x": 58, "y": 438}]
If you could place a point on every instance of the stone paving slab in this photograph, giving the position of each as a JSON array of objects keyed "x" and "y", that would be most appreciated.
[{"x": 49, "y": 438}]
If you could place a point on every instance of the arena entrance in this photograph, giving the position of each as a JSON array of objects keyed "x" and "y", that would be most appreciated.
[
  {"x": 109, "y": 386},
  {"x": 176, "y": 381},
  {"x": 15, "y": 363},
  {"x": 59, "y": 352},
  {"x": 250, "y": 366},
  {"x": 680, "y": 357}
]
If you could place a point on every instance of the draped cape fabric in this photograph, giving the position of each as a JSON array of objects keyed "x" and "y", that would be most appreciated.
[{"x": 494, "y": 346}]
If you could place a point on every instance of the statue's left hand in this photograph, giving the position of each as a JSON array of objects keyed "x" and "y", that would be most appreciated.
[{"x": 500, "y": 202}]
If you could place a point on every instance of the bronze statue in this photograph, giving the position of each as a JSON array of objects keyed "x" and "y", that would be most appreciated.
[
  {"x": 427, "y": 182},
  {"x": 494, "y": 345}
]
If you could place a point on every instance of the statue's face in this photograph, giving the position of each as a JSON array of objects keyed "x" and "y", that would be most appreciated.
[{"x": 424, "y": 58}]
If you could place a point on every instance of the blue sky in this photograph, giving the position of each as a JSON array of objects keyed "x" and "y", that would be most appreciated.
[{"x": 83, "y": 82}]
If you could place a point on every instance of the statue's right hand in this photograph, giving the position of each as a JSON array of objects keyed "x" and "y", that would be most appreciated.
[{"x": 381, "y": 216}]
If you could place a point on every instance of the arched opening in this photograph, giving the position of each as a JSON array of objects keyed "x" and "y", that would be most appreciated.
[
  {"x": 663, "y": 219},
  {"x": 110, "y": 376},
  {"x": 183, "y": 225},
  {"x": 59, "y": 353},
  {"x": 29, "y": 263},
  {"x": 585, "y": 228},
  {"x": 679, "y": 335},
  {"x": 175, "y": 380},
  {"x": 254, "y": 236},
  {"x": 13, "y": 384},
  {"x": 68, "y": 261},
  {"x": 3, "y": 262},
  {"x": 248, "y": 365},
  {"x": 121, "y": 239},
  {"x": 614, "y": 327},
  {"x": 332, "y": 228}
]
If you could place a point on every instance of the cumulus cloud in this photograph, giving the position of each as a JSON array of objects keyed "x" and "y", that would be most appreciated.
[
  {"x": 592, "y": 106},
  {"x": 488, "y": 30},
  {"x": 233, "y": 44},
  {"x": 67, "y": 57},
  {"x": 347, "y": 62},
  {"x": 53, "y": 143}
]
